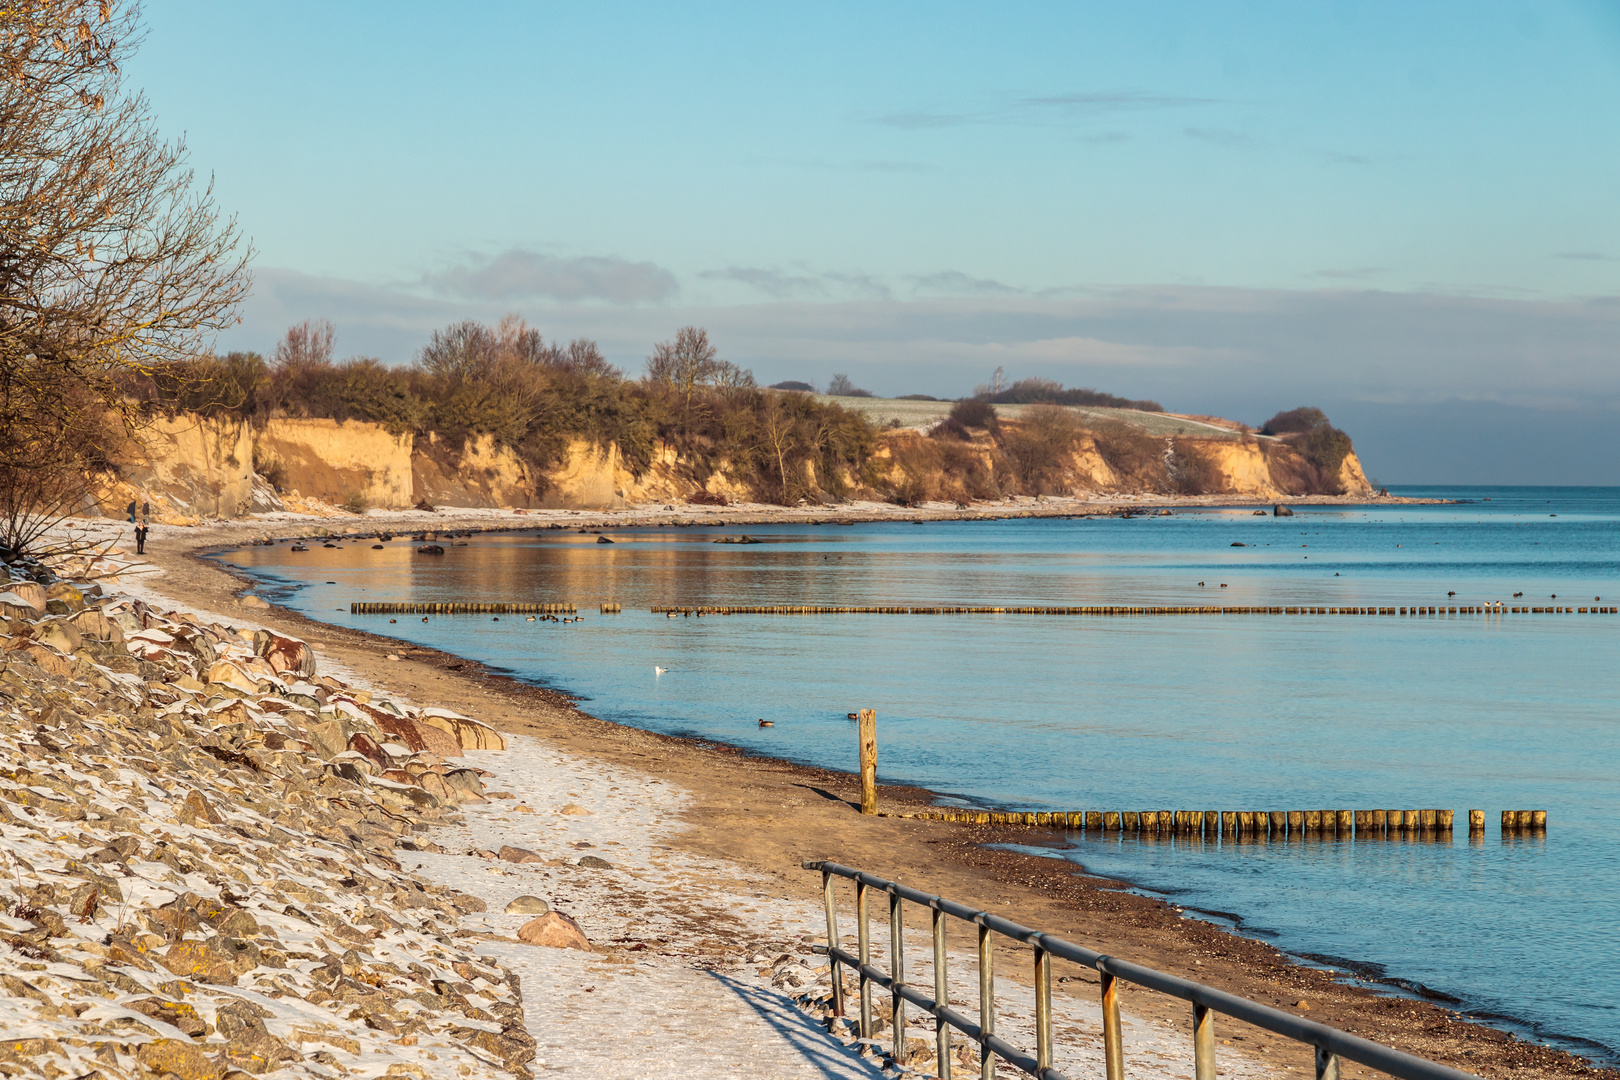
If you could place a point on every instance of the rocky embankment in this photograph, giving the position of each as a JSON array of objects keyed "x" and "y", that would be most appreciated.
[{"x": 198, "y": 871}]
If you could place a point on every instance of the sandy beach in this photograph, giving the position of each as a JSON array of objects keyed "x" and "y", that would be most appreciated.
[{"x": 706, "y": 844}]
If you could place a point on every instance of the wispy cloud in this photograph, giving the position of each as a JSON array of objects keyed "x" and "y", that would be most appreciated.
[
  {"x": 1358, "y": 273},
  {"x": 518, "y": 274},
  {"x": 1042, "y": 109},
  {"x": 783, "y": 286},
  {"x": 1231, "y": 140},
  {"x": 956, "y": 283}
]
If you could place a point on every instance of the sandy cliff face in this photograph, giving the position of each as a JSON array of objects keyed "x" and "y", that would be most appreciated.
[
  {"x": 1243, "y": 469},
  {"x": 186, "y": 467},
  {"x": 332, "y": 461},
  {"x": 480, "y": 473}
]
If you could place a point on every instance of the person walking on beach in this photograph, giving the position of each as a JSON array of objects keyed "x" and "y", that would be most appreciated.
[
  {"x": 130, "y": 510},
  {"x": 140, "y": 539}
]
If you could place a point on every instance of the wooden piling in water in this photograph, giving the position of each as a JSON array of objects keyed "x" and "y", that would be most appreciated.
[
  {"x": 1476, "y": 821},
  {"x": 868, "y": 742}
]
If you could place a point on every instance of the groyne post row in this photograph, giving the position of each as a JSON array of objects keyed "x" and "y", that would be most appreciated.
[
  {"x": 1231, "y": 824},
  {"x": 381, "y": 608},
  {"x": 1115, "y": 609}
]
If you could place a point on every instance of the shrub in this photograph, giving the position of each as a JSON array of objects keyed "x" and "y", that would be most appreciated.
[
  {"x": 951, "y": 428},
  {"x": 841, "y": 386},
  {"x": 1294, "y": 421},
  {"x": 1191, "y": 473},
  {"x": 975, "y": 413},
  {"x": 1033, "y": 390},
  {"x": 272, "y": 468},
  {"x": 1132, "y": 453},
  {"x": 794, "y": 384},
  {"x": 1326, "y": 447},
  {"x": 356, "y": 503},
  {"x": 1036, "y": 447}
]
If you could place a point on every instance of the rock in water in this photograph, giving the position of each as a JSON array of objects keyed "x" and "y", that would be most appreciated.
[
  {"x": 1281, "y": 511},
  {"x": 603, "y": 540},
  {"x": 555, "y": 931},
  {"x": 528, "y": 905}
]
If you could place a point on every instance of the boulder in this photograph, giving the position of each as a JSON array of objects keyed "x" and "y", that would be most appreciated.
[
  {"x": 326, "y": 737},
  {"x": 519, "y": 855},
  {"x": 469, "y": 734},
  {"x": 29, "y": 594},
  {"x": 251, "y": 601},
  {"x": 593, "y": 862},
  {"x": 365, "y": 745},
  {"x": 171, "y": 1057},
  {"x": 466, "y": 784},
  {"x": 528, "y": 905},
  {"x": 286, "y": 655},
  {"x": 554, "y": 930},
  {"x": 67, "y": 594},
  {"x": 93, "y": 624},
  {"x": 1281, "y": 511},
  {"x": 228, "y": 674}
]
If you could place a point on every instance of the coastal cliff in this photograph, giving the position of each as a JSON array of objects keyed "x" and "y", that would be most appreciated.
[{"x": 191, "y": 467}]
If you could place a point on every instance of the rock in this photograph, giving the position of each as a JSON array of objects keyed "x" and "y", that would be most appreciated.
[
  {"x": 93, "y": 624},
  {"x": 327, "y": 738},
  {"x": 28, "y": 594},
  {"x": 574, "y": 810},
  {"x": 603, "y": 540},
  {"x": 249, "y": 1046},
  {"x": 251, "y": 601},
  {"x": 367, "y": 747},
  {"x": 528, "y": 905},
  {"x": 285, "y": 655},
  {"x": 430, "y": 549},
  {"x": 1281, "y": 511},
  {"x": 67, "y": 594},
  {"x": 184, "y": 1060},
  {"x": 176, "y": 1014},
  {"x": 469, "y": 734},
  {"x": 518, "y": 855},
  {"x": 592, "y": 862},
  {"x": 226, "y": 673},
  {"x": 196, "y": 809},
  {"x": 467, "y": 784},
  {"x": 554, "y": 930}
]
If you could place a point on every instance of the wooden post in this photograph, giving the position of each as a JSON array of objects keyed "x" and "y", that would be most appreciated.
[
  {"x": 1476, "y": 821},
  {"x": 868, "y": 730}
]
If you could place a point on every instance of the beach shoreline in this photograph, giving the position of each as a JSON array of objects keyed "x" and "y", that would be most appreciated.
[{"x": 758, "y": 811}]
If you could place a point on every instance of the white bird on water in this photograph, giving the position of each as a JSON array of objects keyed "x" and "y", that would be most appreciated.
[{"x": 659, "y": 670}]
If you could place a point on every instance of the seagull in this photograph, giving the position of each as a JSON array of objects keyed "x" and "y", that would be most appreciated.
[{"x": 659, "y": 670}]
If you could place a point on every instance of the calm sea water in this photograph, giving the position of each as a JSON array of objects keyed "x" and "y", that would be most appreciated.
[{"x": 1151, "y": 713}]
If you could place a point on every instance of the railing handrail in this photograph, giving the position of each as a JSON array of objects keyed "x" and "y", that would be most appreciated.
[{"x": 1330, "y": 1043}]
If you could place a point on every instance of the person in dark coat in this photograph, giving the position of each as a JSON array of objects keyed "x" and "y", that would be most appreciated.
[{"x": 140, "y": 539}]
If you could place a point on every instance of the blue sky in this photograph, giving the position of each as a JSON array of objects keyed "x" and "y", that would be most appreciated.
[{"x": 1234, "y": 208}]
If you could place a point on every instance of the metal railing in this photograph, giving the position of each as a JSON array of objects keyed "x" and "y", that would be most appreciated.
[{"x": 1330, "y": 1044}]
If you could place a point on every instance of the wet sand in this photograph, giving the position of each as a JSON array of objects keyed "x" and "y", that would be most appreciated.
[{"x": 770, "y": 816}]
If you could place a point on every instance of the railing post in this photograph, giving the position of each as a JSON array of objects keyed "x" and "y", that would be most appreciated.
[
  {"x": 987, "y": 1003},
  {"x": 864, "y": 953},
  {"x": 942, "y": 1030},
  {"x": 1327, "y": 1065},
  {"x": 1043, "y": 1010},
  {"x": 832, "y": 942},
  {"x": 1203, "y": 1043},
  {"x": 1113, "y": 1039},
  {"x": 897, "y": 972}
]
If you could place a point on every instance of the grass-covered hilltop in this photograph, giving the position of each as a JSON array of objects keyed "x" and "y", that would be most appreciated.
[{"x": 497, "y": 416}]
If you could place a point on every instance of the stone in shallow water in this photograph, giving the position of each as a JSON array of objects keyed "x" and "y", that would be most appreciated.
[{"x": 528, "y": 905}]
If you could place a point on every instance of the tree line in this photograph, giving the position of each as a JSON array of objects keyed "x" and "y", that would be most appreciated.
[{"x": 535, "y": 397}]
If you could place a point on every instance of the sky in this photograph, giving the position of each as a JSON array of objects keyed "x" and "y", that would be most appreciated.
[{"x": 1403, "y": 213}]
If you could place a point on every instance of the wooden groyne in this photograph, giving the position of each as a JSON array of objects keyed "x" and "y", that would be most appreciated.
[
  {"x": 385, "y": 608},
  {"x": 1236, "y": 824},
  {"x": 1118, "y": 610}
]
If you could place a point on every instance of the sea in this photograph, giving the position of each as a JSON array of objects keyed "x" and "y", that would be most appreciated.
[{"x": 1026, "y": 712}]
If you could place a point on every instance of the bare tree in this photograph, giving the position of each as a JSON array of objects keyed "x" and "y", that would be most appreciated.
[
  {"x": 685, "y": 364},
  {"x": 112, "y": 261}
]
